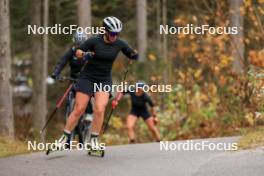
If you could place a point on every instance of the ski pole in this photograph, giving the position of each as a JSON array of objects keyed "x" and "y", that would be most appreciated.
[
  {"x": 112, "y": 109},
  {"x": 58, "y": 105}
]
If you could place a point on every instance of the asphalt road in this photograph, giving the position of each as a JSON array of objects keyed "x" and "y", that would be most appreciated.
[{"x": 139, "y": 160}]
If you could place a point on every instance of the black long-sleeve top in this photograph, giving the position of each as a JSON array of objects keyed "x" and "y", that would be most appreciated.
[
  {"x": 75, "y": 63},
  {"x": 99, "y": 68}
]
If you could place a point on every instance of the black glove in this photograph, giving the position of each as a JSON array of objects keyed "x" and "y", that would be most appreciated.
[
  {"x": 134, "y": 55},
  {"x": 88, "y": 56}
]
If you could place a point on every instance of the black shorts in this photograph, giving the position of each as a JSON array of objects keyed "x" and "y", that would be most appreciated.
[
  {"x": 139, "y": 113},
  {"x": 71, "y": 95},
  {"x": 89, "y": 87}
]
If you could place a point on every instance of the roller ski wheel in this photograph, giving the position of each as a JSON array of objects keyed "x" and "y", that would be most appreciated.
[
  {"x": 99, "y": 153},
  {"x": 51, "y": 151}
]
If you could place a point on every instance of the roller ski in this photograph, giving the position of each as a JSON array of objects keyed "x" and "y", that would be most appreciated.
[
  {"x": 98, "y": 152},
  {"x": 94, "y": 148},
  {"x": 60, "y": 145}
]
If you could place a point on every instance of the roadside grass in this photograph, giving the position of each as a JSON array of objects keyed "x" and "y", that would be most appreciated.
[
  {"x": 251, "y": 138},
  {"x": 9, "y": 148}
]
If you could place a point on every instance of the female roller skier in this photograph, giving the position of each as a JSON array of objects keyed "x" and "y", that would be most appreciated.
[
  {"x": 97, "y": 71},
  {"x": 139, "y": 101}
]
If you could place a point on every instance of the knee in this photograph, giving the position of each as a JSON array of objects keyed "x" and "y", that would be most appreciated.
[
  {"x": 78, "y": 111},
  {"x": 129, "y": 127},
  {"x": 99, "y": 111}
]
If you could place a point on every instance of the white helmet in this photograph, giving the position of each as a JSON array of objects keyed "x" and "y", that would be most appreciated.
[
  {"x": 79, "y": 37},
  {"x": 112, "y": 24}
]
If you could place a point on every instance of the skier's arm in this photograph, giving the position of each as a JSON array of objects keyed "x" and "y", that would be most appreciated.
[
  {"x": 62, "y": 63},
  {"x": 151, "y": 104},
  {"x": 129, "y": 52},
  {"x": 154, "y": 115},
  {"x": 84, "y": 47},
  {"x": 153, "y": 111}
]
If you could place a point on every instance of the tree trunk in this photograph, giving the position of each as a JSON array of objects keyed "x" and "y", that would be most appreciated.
[
  {"x": 164, "y": 51},
  {"x": 237, "y": 19},
  {"x": 142, "y": 28},
  {"x": 84, "y": 13},
  {"x": 6, "y": 103},
  {"x": 38, "y": 71},
  {"x": 164, "y": 44},
  {"x": 45, "y": 57},
  {"x": 158, "y": 5}
]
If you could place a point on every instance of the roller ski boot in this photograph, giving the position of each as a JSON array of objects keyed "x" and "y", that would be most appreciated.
[
  {"x": 94, "y": 148},
  {"x": 61, "y": 144}
]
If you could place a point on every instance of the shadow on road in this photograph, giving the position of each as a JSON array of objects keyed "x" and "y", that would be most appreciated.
[{"x": 56, "y": 157}]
